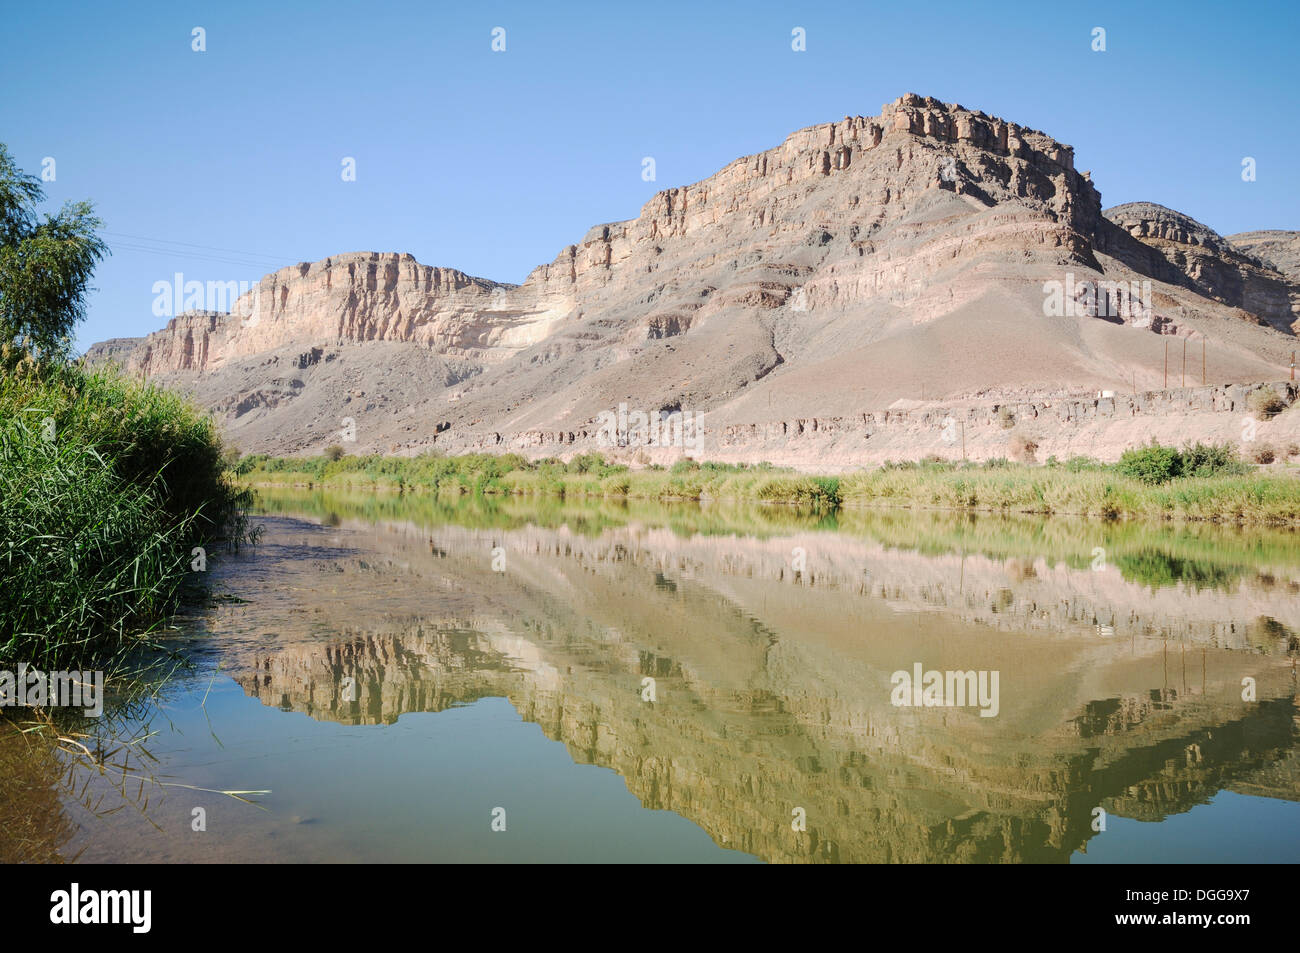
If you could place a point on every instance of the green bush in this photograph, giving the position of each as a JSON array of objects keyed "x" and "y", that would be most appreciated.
[
  {"x": 594, "y": 464},
  {"x": 1083, "y": 464},
  {"x": 247, "y": 464},
  {"x": 1155, "y": 464},
  {"x": 1205, "y": 460},
  {"x": 1151, "y": 464}
]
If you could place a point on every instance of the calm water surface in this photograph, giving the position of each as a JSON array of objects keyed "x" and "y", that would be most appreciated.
[{"x": 399, "y": 673}]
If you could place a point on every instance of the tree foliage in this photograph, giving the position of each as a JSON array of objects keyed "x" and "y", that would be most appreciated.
[{"x": 45, "y": 264}]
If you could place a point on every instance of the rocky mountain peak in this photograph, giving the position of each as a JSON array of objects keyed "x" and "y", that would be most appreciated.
[{"x": 1149, "y": 220}]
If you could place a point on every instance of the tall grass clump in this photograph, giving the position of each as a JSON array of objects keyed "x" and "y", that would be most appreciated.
[
  {"x": 106, "y": 485},
  {"x": 822, "y": 493}
]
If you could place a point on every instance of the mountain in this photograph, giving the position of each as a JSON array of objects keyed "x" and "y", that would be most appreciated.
[
  {"x": 1280, "y": 250},
  {"x": 931, "y": 255},
  {"x": 1203, "y": 261}
]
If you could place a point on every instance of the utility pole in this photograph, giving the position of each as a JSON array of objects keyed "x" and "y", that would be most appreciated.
[
  {"x": 1166, "y": 363},
  {"x": 1202, "y": 362},
  {"x": 1293, "y": 365},
  {"x": 963, "y": 441},
  {"x": 1182, "y": 381}
]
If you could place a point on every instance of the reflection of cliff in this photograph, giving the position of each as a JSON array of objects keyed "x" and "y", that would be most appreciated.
[
  {"x": 1012, "y": 594},
  {"x": 1212, "y": 584},
  {"x": 1175, "y": 774},
  {"x": 774, "y": 695},
  {"x": 425, "y": 671}
]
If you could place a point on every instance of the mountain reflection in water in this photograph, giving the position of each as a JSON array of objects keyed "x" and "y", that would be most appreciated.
[{"x": 771, "y": 637}]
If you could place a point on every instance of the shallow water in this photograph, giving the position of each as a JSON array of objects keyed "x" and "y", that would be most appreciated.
[{"x": 403, "y": 674}]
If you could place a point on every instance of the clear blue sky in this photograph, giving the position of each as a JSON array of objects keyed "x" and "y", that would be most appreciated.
[{"x": 493, "y": 162}]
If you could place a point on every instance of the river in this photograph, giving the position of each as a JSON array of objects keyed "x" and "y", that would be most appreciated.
[{"x": 415, "y": 679}]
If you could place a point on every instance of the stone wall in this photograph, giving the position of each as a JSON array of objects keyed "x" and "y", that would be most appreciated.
[{"x": 1092, "y": 426}]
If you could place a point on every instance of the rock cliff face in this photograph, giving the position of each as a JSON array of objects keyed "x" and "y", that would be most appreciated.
[
  {"x": 1279, "y": 249},
  {"x": 905, "y": 255},
  {"x": 1216, "y": 267},
  {"x": 358, "y": 297}
]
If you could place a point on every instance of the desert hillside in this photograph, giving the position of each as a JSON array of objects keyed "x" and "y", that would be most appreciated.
[{"x": 928, "y": 258}]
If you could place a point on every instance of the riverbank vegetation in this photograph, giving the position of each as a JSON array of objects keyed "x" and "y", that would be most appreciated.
[
  {"x": 108, "y": 486},
  {"x": 1197, "y": 482},
  {"x": 111, "y": 491}
]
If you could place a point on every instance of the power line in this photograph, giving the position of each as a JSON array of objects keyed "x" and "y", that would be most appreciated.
[
  {"x": 167, "y": 241},
  {"x": 197, "y": 256},
  {"x": 181, "y": 253}
]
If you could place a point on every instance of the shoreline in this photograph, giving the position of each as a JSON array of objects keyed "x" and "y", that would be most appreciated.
[{"x": 1096, "y": 492}]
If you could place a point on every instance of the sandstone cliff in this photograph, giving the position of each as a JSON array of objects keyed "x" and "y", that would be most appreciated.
[{"x": 901, "y": 256}]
